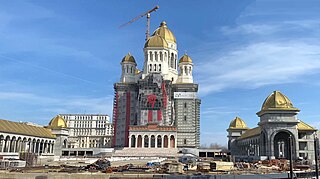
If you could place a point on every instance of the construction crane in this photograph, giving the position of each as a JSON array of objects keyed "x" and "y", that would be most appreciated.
[{"x": 148, "y": 20}]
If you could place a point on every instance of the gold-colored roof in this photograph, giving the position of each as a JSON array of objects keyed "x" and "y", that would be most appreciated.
[
  {"x": 238, "y": 123},
  {"x": 185, "y": 58},
  {"x": 137, "y": 71},
  {"x": 24, "y": 129},
  {"x": 57, "y": 122},
  {"x": 129, "y": 58},
  {"x": 250, "y": 133},
  {"x": 156, "y": 41},
  {"x": 165, "y": 33},
  {"x": 277, "y": 101},
  {"x": 305, "y": 127}
]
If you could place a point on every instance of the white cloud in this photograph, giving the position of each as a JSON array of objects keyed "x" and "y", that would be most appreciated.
[
  {"x": 259, "y": 64},
  {"x": 260, "y": 29}
]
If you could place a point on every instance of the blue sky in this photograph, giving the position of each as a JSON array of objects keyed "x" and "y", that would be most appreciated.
[{"x": 64, "y": 56}]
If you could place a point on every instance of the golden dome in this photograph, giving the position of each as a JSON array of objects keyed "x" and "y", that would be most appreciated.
[
  {"x": 128, "y": 58},
  {"x": 185, "y": 58},
  {"x": 156, "y": 41},
  {"x": 277, "y": 101},
  {"x": 238, "y": 123},
  {"x": 164, "y": 32},
  {"x": 57, "y": 122}
]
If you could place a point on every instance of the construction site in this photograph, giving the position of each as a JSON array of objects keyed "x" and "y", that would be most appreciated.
[{"x": 180, "y": 165}]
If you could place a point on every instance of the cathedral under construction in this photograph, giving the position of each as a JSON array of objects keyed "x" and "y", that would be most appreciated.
[{"x": 157, "y": 107}]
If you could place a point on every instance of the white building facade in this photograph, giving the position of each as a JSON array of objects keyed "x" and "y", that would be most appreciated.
[
  {"x": 18, "y": 137},
  {"x": 88, "y": 130}
]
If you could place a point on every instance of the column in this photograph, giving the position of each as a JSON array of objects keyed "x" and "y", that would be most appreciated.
[
  {"x": 7, "y": 147},
  {"x": 149, "y": 144},
  {"x": 130, "y": 141},
  {"x": 136, "y": 141},
  {"x": 156, "y": 142},
  {"x": 175, "y": 142},
  {"x": 14, "y": 145},
  {"x": 2, "y": 145},
  {"x": 162, "y": 141},
  {"x": 142, "y": 141}
]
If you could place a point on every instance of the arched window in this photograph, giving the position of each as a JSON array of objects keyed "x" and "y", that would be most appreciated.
[
  {"x": 151, "y": 56},
  {"x": 190, "y": 70},
  {"x": 161, "y": 56},
  {"x": 155, "y": 67},
  {"x": 127, "y": 69},
  {"x": 172, "y": 60},
  {"x": 150, "y": 67},
  {"x": 184, "y": 141},
  {"x": 131, "y": 69},
  {"x": 156, "y": 56},
  {"x": 159, "y": 67}
]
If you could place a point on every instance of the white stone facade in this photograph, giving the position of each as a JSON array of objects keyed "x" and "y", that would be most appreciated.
[
  {"x": 88, "y": 130},
  {"x": 16, "y": 143}
]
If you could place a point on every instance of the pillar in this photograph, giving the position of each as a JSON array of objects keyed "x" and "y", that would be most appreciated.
[
  {"x": 130, "y": 141},
  {"x": 136, "y": 141},
  {"x": 2, "y": 145},
  {"x": 14, "y": 142},
  {"x": 156, "y": 142},
  {"x": 162, "y": 141},
  {"x": 175, "y": 142},
  {"x": 149, "y": 144},
  {"x": 142, "y": 141}
]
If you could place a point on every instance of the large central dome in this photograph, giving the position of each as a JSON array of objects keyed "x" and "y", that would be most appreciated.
[
  {"x": 277, "y": 102},
  {"x": 165, "y": 33}
]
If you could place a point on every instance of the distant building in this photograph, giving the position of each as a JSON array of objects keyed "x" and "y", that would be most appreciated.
[
  {"x": 270, "y": 140},
  {"x": 81, "y": 134},
  {"x": 157, "y": 107},
  {"x": 88, "y": 130}
]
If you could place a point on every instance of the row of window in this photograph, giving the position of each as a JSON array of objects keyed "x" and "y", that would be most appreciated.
[{"x": 85, "y": 117}]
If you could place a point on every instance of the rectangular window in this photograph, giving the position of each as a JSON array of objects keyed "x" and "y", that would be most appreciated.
[{"x": 303, "y": 146}]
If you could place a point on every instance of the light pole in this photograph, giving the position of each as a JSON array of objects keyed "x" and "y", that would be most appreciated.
[{"x": 316, "y": 154}]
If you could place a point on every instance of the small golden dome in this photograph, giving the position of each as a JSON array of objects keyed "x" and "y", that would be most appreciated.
[
  {"x": 137, "y": 71},
  {"x": 129, "y": 58},
  {"x": 164, "y": 32},
  {"x": 277, "y": 101},
  {"x": 156, "y": 41},
  {"x": 238, "y": 123},
  {"x": 185, "y": 58},
  {"x": 57, "y": 122}
]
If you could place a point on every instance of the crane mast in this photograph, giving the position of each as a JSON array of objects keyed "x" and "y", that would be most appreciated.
[{"x": 142, "y": 15}]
